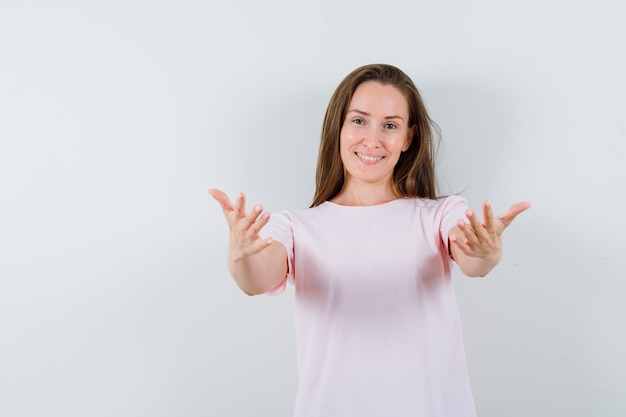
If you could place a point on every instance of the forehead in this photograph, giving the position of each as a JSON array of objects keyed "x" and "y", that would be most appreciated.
[{"x": 375, "y": 97}]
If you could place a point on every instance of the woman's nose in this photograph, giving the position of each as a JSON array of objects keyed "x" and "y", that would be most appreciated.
[{"x": 372, "y": 138}]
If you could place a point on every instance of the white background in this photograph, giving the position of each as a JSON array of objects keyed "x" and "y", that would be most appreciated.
[{"x": 116, "y": 116}]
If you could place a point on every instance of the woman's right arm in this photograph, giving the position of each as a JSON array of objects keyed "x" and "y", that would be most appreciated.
[{"x": 257, "y": 265}]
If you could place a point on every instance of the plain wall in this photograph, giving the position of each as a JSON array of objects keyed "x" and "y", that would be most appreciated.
[{"x": 116, "y": 117}]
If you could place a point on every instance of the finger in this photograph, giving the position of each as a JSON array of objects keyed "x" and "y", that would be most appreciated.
[
  {"x": 260, "y": 223},
  {"x": 252, "y": 216},
  {"x": 488, "y": 218},
  {"x": 510, "y": 215},
  {"x": 240, "y": 205},
  {"x": 222, "y": 199},
  {"x": 460, "y": 243},
  {"x": 261, "y": 244},
  {"x": 476, "y": 228},
  {"x": 465, "y": 231}
]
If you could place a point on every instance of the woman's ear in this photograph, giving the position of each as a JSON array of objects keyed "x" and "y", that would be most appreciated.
[{"x": 409, "y": 138}]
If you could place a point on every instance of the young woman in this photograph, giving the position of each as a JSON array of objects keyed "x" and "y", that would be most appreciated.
[{"x": 377, "y": 323}]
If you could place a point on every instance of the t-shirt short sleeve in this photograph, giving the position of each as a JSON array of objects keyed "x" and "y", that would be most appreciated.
[
  {"x": 280, "y": 228},
  {"x": 452, "y": 210}
]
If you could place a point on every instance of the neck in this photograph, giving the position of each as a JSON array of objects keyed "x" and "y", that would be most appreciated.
[{"x": 365, "y": 195}]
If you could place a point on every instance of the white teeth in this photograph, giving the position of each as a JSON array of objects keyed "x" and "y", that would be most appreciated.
[{"x": 369, "y": 158}]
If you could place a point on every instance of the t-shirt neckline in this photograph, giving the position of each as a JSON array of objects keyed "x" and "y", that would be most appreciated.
[{"x": 391, "y": 202}]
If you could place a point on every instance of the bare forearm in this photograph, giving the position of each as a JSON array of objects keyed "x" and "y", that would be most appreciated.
[
  {"x": 261, "y": 272},
  {"x": 477, "y": 267}
]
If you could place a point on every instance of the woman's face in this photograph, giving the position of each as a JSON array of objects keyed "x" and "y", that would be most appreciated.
[{"x": 376, "y": 130}]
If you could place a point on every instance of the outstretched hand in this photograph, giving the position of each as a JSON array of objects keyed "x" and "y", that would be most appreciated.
[
  {"x": 244, "y": 227},
  {"x": 481, "y": 241}
]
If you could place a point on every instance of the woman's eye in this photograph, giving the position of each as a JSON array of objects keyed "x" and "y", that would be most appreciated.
[
  {"x": 390, "y": 126},
  {"x": 358, "y": 121}
]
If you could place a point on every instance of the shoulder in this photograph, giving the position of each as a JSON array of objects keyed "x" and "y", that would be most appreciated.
[
  {"x": 289, "y": 217},
  {"x": 308, "y": 215},
  {"x": 443, "y": 212}
]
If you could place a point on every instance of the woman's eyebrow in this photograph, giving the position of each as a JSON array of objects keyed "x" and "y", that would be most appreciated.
[{"x": 367, "y": 114}]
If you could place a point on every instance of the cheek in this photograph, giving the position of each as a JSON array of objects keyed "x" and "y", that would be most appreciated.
[
  {"x": 346, "y": 139},
  {"x": 344, "y": 146},
  {"x": 404, "y": 141},
  {"x": 397, "y": 144}
]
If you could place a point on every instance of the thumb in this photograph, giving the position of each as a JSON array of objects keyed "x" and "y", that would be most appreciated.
[
  {"x": 222, "y": 199},
  {"x": 510, "y": 215}
]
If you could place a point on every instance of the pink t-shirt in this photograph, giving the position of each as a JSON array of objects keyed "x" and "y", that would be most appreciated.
[{"x": 377, "y": 323}]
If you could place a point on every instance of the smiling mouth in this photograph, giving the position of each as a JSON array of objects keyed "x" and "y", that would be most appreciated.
[{"x": 369, "y": 158}]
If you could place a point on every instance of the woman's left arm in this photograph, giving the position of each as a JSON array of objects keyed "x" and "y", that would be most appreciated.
[{"x": 477, "y": 246}]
